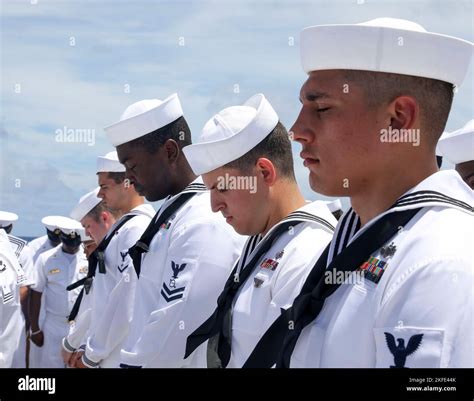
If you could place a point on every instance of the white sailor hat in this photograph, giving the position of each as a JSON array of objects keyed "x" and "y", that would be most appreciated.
[
  {"x": 69, "y": 226},
  {"x": 386, "y": 45},
  {"x": 51, "y": 222},
  {"x": 109, "y": 163},
  {"x": 144, "y": 117},
  {"x": 458, "y": 146},
  {"x": 86, "y": 203},
  {"x": 7, "y": 218},
  {"x": 231, "y": 133}
]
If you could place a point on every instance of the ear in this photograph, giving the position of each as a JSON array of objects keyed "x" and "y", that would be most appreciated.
[
  {"x": 104, "y": 217},
  {"x": 172, "y": 150},
  {"x": 404, "y": 112},
  {"x": 266, "y": 170}
]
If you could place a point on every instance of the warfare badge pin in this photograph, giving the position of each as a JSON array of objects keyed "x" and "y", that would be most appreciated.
[{"x": 388, "y": 250}]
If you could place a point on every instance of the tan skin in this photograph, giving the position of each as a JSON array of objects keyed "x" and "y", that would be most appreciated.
[
  {"x": 121, "y": 197},
  {"x": 340, "y": 137},
  {"x": 466, "y": 171},
  {"x": 98, "y": 229},
  {"x": 254, "y": 213}
]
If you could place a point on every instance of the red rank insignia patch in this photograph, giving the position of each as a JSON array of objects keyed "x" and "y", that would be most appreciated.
[{"x": 269, "y": 264}]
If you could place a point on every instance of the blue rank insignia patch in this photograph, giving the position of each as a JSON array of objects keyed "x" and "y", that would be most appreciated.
[{"x": 373, "y": 269}]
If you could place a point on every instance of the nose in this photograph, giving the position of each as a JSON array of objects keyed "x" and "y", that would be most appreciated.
[
  {"x": 217, "y": 203},
  {"x": 300, "y": 131},
  {"x": 100, "y": 194}
]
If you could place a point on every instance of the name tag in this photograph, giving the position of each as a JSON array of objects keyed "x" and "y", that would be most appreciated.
[{"x": 54, "y": 271}]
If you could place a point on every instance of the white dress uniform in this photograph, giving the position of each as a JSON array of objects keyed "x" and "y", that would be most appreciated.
[
  {"x": 111, "y": 306},
  {"x": 419, "y": 314},
  {"x": 25, "y": 257},
  {"x": 277, "y": 280},
  {"x": 55, "y": 271},
  {"x": 40, "y": 245},
  {"x": 270, "y": 279},
  {"x": 181, "y": 277},
  {"x": 11, "y": 321}
]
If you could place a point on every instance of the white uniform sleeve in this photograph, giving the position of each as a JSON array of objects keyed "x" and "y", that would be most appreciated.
[
  {"x": 79, "y": 328},
  {"x": 198, "y": 262},
  {"x": 26, "y": 262},
  {"x": 40, "y": 279},
  {"x": 11, "y": 322},
  {"x": 111, "y": 331},
  {"x": 426, "y": 319}
]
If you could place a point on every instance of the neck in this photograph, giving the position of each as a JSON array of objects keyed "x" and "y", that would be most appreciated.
[
  {"x": 286, "y": 199},
  {"x": 132, "y": 203},
  {"x": 378, "y": 195},
  {"x": 184, "y": 178}
]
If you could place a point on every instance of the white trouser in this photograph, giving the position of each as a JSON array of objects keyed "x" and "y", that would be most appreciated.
[{"x": 55, "y": 328}]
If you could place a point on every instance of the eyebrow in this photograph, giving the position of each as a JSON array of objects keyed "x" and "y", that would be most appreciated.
[{"x": 312, "y": 96}]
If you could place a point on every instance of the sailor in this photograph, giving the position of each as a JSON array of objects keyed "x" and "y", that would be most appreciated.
[
  {"x": 245, "y": 159},
  {"x": 38, "y": 246},
  {"x": 112, "y": 291},
  {"x": 186, "y": 253},
  {"x": 394, "y": 288},
  {"x": 55, "y": 270},
  {"x": 25, "y": 257},
  {"x": 11, "y": 322},
  {"x": 48, "y": 241},
  {"x": 97, "y": 220},
  {"x": 458, "y": 148}
]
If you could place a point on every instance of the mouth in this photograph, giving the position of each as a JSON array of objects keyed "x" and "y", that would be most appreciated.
[
  {"x": 308, "y": 160},
  {"x": 228, "y": 219}
]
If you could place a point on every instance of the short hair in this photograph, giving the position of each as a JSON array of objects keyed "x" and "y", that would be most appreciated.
[
  {"x": 117, "y": 176},
  {"x": 276, "y": 146},
  {"x": 434, "y": 96},
  {"x": 177, "y": 130},
  {"x": 97, "y": 210}
]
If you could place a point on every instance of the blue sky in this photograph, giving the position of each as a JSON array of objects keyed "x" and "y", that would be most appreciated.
[{"x": 68, "y": 64}]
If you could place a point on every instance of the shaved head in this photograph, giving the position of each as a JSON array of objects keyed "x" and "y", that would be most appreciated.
[{"x": 433, "y": 96}]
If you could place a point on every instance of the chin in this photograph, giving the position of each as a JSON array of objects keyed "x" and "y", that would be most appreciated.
[{"x": 327, "y": 189}]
